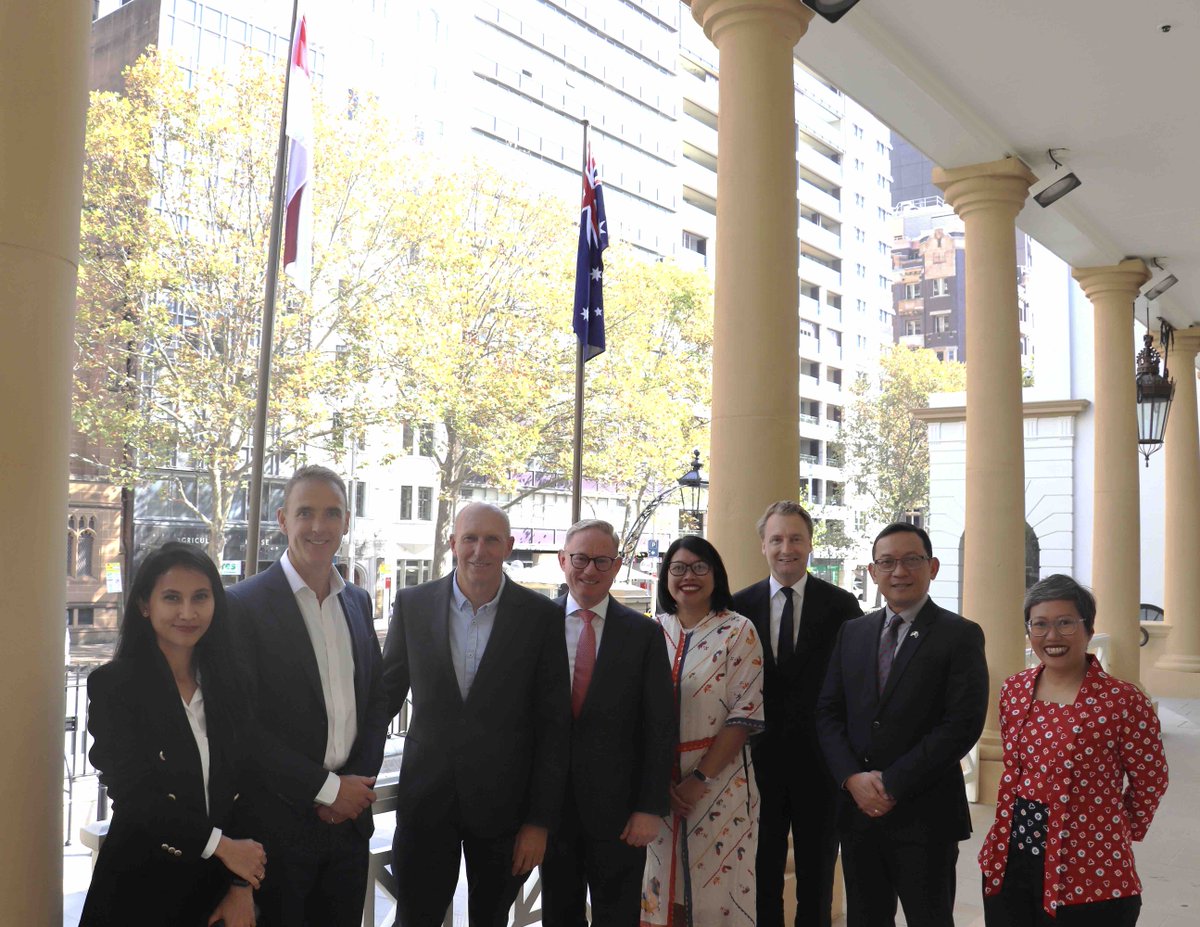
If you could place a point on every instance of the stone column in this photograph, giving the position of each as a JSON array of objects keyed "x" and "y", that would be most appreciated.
[
  {"x": 1116, "y": 532},
  {"x": 43, "y": 101},
  {"x": 988, "y": 197},
  {"x": 1181, "y": 535},
  {"x": 754, "y": 458}
]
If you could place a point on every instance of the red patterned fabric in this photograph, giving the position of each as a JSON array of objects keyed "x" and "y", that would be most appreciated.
[{"x": 1099, "y": 766}]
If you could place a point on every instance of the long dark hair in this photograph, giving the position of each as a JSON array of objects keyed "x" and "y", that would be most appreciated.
[
  {"x": 721, "y": 599},
  {"x": 214, "y": 657}
]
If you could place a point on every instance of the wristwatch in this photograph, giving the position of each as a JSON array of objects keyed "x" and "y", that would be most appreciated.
[{"x": 707, "y": 780}]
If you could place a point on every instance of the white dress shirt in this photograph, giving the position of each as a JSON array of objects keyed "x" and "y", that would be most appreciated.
[
  {"x": 196, "y": 721},
  {"x": 777, "y": 600},
  {"x": 574, "y": 625},
  {"x": 470, "y": 631},
  {"x": 907, "y": 617},
  {"x": 334, "y": 650}
]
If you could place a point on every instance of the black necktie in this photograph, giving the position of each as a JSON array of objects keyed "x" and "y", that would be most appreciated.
[
  {"x": 787, "y": 621},
  {"x": 887, "y": 649}
]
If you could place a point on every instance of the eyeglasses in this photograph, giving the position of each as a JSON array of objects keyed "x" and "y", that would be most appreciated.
[
  {"x": 911, "y": 562},
  {"x": 700, "y": 568},
  {"x": 1064, "y": 626},
  {"x": 581, "y": 561}
]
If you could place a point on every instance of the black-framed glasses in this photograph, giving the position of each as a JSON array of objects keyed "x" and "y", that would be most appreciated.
[
  {"x": 911, "y": 562},
  {"x": 1040, "y": 627},
  {"x": 581, "y": 561},
  {"x": 679, "y": 568}
]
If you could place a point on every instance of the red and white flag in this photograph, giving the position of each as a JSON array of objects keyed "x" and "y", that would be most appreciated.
[{"x": 298, "y": 238}]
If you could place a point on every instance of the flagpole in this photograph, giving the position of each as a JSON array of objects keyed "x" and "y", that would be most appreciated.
[
  {"x": 577, "y": 467},
  {"x": 254, "y": 503}
]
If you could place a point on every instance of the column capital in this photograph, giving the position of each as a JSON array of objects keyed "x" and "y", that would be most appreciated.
[
  {"x": 1121, "y": 281},
  {"x": 1002, "y": 185},
  {"x": 790, "y": 18}
]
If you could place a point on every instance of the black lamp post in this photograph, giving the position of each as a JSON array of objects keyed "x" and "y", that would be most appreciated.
[
  {"x": 689, "y": 487},
  {"x": 1154, "y": 394},
  {"x": 691, "y": 484}
]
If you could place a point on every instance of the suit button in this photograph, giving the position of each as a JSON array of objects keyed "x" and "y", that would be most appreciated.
[
  {"x": 161, "y": 757},
  {"x": 171, "y": 795},
  {"x": 166, "y": 847},
  {"x": 237, "y": 795},
  {"x": 177, "y": 852},
  {"x": 874, "y": 725}
]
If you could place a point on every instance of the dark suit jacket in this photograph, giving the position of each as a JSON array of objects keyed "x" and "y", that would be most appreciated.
[
  {"x": 622, "y": 743},
  {"x": 500, "y": 756},
  {"x": 286, "y": 691},
  {"x": 149, "y": 870},
  {"x": 789, "y": 744},
  {"x": 929, "y": 716}
]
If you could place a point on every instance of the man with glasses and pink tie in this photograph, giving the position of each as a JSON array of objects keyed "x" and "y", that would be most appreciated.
[
  {"x": 904, "y": 700},
  {"x": 622, "y": 737}
]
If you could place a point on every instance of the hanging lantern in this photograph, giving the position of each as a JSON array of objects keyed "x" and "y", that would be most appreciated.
[{"x": 1154, "y": 395}]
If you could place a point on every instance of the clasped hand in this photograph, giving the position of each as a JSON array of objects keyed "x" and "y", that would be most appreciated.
[
  {"x": 866, "y": 788},
  {"x": 355, "y": 795}
]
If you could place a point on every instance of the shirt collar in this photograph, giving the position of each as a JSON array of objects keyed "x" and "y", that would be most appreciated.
[
  {"x": 336, "y": 583},
  {"x": 797, "y": 587},
  {"x": 909, "y": 615},
  {"x": 600, "y": 610},
  {"x": 460, "y": 599}
]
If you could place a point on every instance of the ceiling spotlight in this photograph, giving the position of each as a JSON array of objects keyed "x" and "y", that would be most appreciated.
[
  {"x": 1059, "y": 187},
  {"x": 832, "y": 10},
  {"x": 1161, "y": 287}
]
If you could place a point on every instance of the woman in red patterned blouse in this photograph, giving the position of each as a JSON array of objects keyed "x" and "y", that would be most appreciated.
[{"x": 1084, "y": 771}]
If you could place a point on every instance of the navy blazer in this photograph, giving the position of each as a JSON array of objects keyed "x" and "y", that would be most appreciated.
[
  {"x": 293, "y": 726},
  {"x": 623, "y": 742},
  {"x": 917, "y": 730},
  {"x": 498, "y": 759},
  {"x": 149, "y": 870}
]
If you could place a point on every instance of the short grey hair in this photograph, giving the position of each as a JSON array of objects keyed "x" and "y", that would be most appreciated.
[
  {"x": 593, "y": 524},
  {"x": 1060, "y": 587},
  {"x": 784, "y": 507}
]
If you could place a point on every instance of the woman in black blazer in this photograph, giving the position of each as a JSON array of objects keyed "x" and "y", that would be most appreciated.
[{"x": 167, "y": 718}]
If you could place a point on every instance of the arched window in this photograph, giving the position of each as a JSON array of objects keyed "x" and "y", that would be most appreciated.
[
  {"x": 1033, "y": 557},
  {"x": 71, "y": 546},
  {"x": 85, "y": 550}
]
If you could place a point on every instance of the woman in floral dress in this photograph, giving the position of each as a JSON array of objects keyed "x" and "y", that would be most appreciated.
[{"x": 700, "y": 867}]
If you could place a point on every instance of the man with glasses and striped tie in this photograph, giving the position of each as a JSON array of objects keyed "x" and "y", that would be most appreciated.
[
  {"x": 904, "y": 700},
  {"x": 622, "y": 738}
]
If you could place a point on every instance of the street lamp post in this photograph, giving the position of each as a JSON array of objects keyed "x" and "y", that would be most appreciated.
[{"x": 689, "y": 486}]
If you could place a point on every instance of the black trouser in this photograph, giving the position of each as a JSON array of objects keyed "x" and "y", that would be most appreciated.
[
  {"x": 316, "y": 876},
  {"x": 881, "y": 866},
  {"x": 426, "y": 861},
  {"x": 806, "y": 808},
  {"x": 575, "y": 863},
  {"x": 1019, "y": 902}
]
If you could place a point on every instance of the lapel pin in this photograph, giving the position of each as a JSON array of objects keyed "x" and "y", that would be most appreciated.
[{"x": 915, "y": 634}]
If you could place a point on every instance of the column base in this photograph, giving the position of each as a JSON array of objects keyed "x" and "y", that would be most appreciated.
[{"x": 1179, "y": 663}]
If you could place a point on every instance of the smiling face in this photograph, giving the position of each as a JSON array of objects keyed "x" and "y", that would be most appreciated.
[
  {"x": 787, "y": 545},
  {"x": 180, "y": 608},
  {"x": 314, "y": 518},
  {"x": 481, "y": 541},
  {"x": 1063, "y": 652},
  {"x": 589, "y": 585},
  {"x": 905, "y": 586},
  {"x": 692, "y": 593}
]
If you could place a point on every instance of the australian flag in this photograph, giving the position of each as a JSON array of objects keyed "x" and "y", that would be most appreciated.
[{"x": 589, "y": 265}]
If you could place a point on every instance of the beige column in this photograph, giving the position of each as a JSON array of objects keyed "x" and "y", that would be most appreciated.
[
  {"x": 1181, "y": 535},
  {"x": 756, "y": 398},
  {"x": 988, "y": 197},
  {"x": 1116, "y": 532},
  {"x": 43, "y": 99}
]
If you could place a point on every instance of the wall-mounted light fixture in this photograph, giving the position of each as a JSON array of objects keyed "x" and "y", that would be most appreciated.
[
  {"x": 1154, "y": 391},
  {"x": 1059, "y": 186},
  {"x": 1161, "y": 283}
]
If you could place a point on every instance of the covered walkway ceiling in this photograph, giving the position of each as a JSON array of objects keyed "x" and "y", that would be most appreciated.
[{"x": 978, "y": 80}]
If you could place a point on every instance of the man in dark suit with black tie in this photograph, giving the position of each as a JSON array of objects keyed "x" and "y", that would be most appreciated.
[
  {"x": 485, "y": 758},
  {"x": 622, "y": 742},
  {"x": 317, "y": 695},
  {"x": 798, "y": 617},
  {"x": 904, "y": 700}
]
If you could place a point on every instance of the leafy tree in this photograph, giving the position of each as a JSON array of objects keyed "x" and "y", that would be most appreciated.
[
  {"x": 177, "y": 205},
  {"x": 886, "y": 448}
]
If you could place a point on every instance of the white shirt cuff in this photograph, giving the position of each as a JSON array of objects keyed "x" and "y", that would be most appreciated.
[
  {"x": 329, "y": 791},
  {"x": 211, "y": 847}
]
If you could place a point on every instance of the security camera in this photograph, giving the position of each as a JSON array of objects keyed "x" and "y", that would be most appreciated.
[{"x": 1164, "y": 28}]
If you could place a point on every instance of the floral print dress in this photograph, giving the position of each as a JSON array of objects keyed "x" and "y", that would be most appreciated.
[{"x": 706, "y": 862}]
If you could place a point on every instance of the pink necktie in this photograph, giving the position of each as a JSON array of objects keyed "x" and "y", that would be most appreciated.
[{"x": 585, "y": 662}]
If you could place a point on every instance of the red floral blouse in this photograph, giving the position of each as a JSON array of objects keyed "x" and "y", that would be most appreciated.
[{"x": 1101, "y": 771}]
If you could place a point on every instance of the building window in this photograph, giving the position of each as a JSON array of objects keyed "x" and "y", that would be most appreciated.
[
  {"x": 425, "y": 503},
  {"x": 858, "y": 131},
  {"x": 884, "y": 283},
  {"x": 860, "y": 200},
  {"x": 883, "y": 214},
  {"x": 941, "y": 286},
  {"x": 407, "y": 437},
  {"x": 912, "y": 291},
  {"x": 941, "y": 323},
  {"x": 406, "y": 503},
  {"x": 360, "y": 499},
  {"x": 697, "y": 243},
  {"x": 425, "y": 437},
  {"x": 883, "y": 247},
  {"x": 71, "y": 546},
  {"x": 85, "y": 617},
  {"x": 413, "y": 572},
  {"x": 861, "y": 270},
  {"x": 860, "y": 235},
  {"x": 912, "y": 327}
]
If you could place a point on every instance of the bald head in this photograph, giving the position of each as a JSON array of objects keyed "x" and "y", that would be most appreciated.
[
  {"x": 481, "y": 541},
  {"x": 477, "y": 510}
]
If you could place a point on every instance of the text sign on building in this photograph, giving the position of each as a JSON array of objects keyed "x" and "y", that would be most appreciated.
[
  {"x": 112, "y": 577},
  {"x": 231, "y": 568}
]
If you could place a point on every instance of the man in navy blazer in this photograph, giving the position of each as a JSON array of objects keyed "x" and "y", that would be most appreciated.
[
  {"x": 321, "y": 714},
  {"x": 798, "y": 617},
  {"x": 485, "y": 756},
  {"x": 904, "y": 700},
  {"x": 622, "y": 741}
]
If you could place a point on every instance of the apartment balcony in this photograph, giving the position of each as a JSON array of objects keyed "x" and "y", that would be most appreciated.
[
  {"x": 825, "y": 97},
  {"x": 700, "y": 135},
  {"x": 702, "y": 92},
  {"x": 818, "y": 237},
  {"x": 819, "y": 200},
  {"x": 819, "y": 164},
  {"x": 697, "y": 177},
  {"x": 818, "y": 273}
]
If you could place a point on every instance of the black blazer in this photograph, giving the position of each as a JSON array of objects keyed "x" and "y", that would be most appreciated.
[
  {"x": 929, "y": 716},
  {"x": 149, "y": 871},
  {"x": 285, "y": 685},
  {"x": 790, "y": 694},
  {"x": 622, "y": 743},
  {"x": 500, "y": 756}
]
